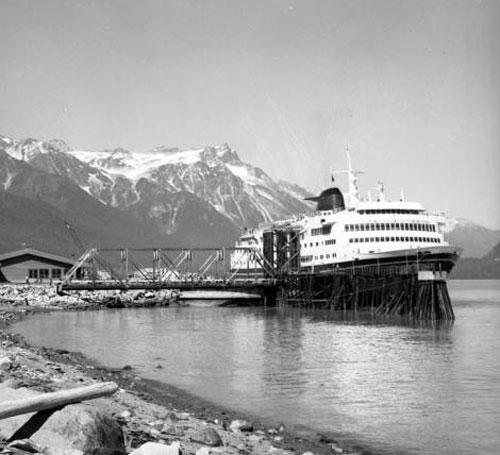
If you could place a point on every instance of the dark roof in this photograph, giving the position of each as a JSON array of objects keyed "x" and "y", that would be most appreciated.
[{"x": 40, "y": 254}]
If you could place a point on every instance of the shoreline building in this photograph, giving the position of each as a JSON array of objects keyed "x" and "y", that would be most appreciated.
[{"x": 32, "y": 266}]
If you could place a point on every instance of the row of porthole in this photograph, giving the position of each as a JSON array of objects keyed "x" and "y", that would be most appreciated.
[
  {"x": 393, "y": 239},
  {"x": 410, "y": 226}
]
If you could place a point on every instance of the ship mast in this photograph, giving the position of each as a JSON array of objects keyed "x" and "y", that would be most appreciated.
[{"x": 352, "y": 175}]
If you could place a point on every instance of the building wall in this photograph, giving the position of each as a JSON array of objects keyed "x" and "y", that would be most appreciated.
[{"x": 35, "y": 270}]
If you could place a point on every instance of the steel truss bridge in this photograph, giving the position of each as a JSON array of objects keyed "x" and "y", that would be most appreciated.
[{"x": 171, "y": 268}]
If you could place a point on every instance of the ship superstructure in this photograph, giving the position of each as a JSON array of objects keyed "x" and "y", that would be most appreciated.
[{"x": 355, "y": 232}]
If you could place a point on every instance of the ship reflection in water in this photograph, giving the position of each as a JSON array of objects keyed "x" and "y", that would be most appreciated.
[{"x": 396, "y": 387}]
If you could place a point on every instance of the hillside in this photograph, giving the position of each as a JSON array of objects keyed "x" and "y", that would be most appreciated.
[{"x": 486, "y": 267}]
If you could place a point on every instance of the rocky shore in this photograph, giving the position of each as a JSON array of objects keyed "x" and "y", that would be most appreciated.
[{"x": 141, "y": 418}]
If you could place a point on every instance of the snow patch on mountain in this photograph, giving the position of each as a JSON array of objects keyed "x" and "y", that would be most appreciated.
[
  {"x": 137, "y": 165},
  {"x": 244, "y": 174}
]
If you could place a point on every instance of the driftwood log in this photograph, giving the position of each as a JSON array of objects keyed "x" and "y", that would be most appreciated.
[{"x": 53, "y": 400}]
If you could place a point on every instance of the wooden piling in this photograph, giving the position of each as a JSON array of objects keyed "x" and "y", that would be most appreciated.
[{"x": 399, "y": 293}]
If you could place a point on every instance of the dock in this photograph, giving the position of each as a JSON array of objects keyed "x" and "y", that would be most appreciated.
[{"x": 410, "y": 290}]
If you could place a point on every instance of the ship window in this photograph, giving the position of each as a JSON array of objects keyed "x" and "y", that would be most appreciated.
[
  {"x": 393, "y": 226},
  {"x": 407, "y": 227},
  {"x": 33, "y": 273},
  {"x": 350, "y": 240},
  {"x": 377, "y": 226},
  {"x": 317, "y": 244},
  {"x": 321, "y": 257},
  {"x": 377, "y": 239},
  {"x": 361, "y": 227},
  {"x": 392, "y": 239}
]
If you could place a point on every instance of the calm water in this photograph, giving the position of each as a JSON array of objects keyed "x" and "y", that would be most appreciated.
[{"x": 400, "y": 388}]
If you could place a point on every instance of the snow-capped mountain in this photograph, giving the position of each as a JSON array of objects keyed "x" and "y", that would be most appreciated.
[
  {"x": 238, "y": 191},
  {"x": 151, "y": 183}
]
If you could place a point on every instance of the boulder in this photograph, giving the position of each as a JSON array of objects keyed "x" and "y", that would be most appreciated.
[
  {"x": 208, "y": 437},
  {"x": 82, "y": 427},
  {"x": 5, "y": 363},
  {"x": 155, "y": 448},
  {"x": 77, "y": 429}
]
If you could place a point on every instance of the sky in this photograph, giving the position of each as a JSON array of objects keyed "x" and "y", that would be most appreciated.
[{"x": 411, "y": 87}]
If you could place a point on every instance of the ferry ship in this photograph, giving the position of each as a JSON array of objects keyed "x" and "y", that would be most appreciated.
[{"x": 350, "y": 233}]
